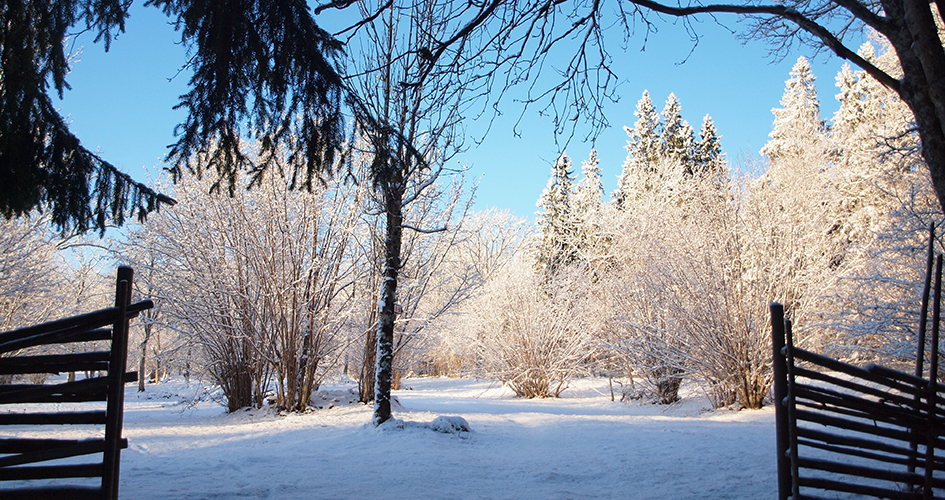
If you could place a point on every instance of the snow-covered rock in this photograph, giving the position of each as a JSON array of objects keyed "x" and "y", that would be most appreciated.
[{"x": 449, "y": 425}]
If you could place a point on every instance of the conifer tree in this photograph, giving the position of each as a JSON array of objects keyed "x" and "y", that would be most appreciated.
[
  {"x": 872, "y": 151},
  {"x": 709, "y": 158},
  {"x": 797, "y": 124},
  {"x": 556, "y": 219},
  {"x": 588, "y": 207},
  {"x": 643, "y": 148},
  {"x": 677, "y": 134},
  {"x": 588, "y": 196},
  {"x": 260, "y": 67}
]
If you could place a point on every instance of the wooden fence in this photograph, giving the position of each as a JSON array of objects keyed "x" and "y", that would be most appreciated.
[
  {"x": 870, "y": 431},
  {"x": 33, "y": 408}
]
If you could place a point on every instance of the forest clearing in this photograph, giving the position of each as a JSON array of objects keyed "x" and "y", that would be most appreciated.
[
  {"x": 334, "y": 317},
  {"x": 580, "y": 445}
]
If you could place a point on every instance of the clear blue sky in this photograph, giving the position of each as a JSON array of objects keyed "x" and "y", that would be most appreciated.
[{"x": 121, "y": 103}]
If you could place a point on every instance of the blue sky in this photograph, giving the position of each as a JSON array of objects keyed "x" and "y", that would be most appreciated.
[{"x": 121, "y": 103}]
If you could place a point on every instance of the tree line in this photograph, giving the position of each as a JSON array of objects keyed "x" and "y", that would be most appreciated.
[{"x": 295, "y": 110}]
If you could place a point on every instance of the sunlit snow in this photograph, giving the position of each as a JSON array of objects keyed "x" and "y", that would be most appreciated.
[{"x": 580, "y": 446}]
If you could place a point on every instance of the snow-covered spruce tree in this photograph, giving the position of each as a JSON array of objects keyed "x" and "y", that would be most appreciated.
[
  {"x": 886, "y": 203},
  {"x": 592, "y": 242},
  {"x": 677, "y": 135},
  {"x": 799, "y": 117},
  {"x": 589, "y": 192},
  {"x": 709, "y": 158},
  {"x": 644, "y": 150},
  {"x": 557, "y": 245},
  {"x": 796, "y": 202}
]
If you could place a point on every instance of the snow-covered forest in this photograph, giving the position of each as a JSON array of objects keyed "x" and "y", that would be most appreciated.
[{"x": 269, "y": 292}]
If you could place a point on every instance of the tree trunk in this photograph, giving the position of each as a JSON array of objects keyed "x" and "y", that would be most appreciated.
[
  {"x": 393, "y": 201},
  {"x": 922, "y": 58},
  {"x": 143, "y": 347},
  {"x": 366, "y": 377}
]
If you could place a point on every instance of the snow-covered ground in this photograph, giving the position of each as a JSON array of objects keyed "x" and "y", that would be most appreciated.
[{"x": 580, "y": 446}]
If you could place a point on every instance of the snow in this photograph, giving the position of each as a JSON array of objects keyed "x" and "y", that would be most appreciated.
[{"x": 582, "y": 445}]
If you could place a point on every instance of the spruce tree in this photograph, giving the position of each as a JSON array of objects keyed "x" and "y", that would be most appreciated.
[
  {"x": 588, "y": 207},
  {"x": 797, "y": 124},
  {"x": 709, "y": 158},
  {"x": 588, "y": 196},
  {"x": 643, "y": 149},
  {"x": 871, "y": 123},
  {"x": 677, "y": 134},
  {"x": 43, "y": 165},
  {"x": 261, "y": 67},
  {"x": 557, "y": 247}
]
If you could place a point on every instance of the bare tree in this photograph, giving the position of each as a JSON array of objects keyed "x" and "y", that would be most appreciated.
[
  {"x": 512, "y": 42},
  {"x": 490, "y": 241},
  {"x": 414, "y": 135}
]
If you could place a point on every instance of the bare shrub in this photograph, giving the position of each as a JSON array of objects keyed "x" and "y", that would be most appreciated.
[
  {"x": 258, "y": 281},
  {"x": 698, "y": 262},
  {"x": 533, "y": 337}
]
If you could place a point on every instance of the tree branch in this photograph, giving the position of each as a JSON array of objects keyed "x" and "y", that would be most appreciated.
[
  {"x": 790, "y": 14},
  {"x": 424, "y": 231}
]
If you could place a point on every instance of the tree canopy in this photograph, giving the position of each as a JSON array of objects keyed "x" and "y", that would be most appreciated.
[
  {"x": 513, "y": 40},
  {"x": 42, "y": 163},
  {"x": 261, "y": 69}
]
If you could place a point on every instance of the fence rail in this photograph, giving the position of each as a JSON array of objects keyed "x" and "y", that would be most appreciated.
[
  {"x": 869, "y": 431},
  {"x": 39, "y": 404}
]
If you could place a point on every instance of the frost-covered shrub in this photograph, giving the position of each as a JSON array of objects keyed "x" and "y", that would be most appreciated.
[
  {"x": 256, "y": 281},
  {"x": 697, "y": 264},
  {"x": 532, "y": 336}
]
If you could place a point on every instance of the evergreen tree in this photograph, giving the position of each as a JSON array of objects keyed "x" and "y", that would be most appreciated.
[
  {"x": 588, "y": 196},
  {"x": 709, "y": 158},
  {"x": 557, "y": 220},
  {"x": 644, "y": 148},
  {"x": 260, "y": 67},
  {"x": 43, "y": 165},
  {"x": 588, "y": 208},
  {"x": 677, "y": 135},
  {"x": 873, "y": 152},
  {"x": 797, "y": 125}
]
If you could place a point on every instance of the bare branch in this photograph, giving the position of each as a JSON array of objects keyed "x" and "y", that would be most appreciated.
[
  {"x": 805, "y": 23},
  {"x": 424, "y": 231}
]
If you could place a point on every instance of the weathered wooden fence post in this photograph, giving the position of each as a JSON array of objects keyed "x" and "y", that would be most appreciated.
[
  {"x": 779, "y": 367},
  {"x": 116, "y": 387}
]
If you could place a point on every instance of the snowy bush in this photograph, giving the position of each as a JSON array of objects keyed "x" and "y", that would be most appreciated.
[
  {"x": 532, "y": 337},
  {"x": 698, "y": 262},
  {"x": 256, "y": 280}
]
